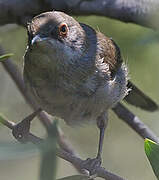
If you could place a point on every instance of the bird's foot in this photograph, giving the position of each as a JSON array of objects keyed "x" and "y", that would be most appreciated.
[
  {"x": 92, "y": 165},
  {"x": 21, "y": 129}
]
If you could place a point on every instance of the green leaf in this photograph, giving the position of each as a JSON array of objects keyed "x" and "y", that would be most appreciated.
[
  {"x": 5, "y": 56},
  {"x": 152, "y": 152},
  {"x": 48, "y": 154},
  {"x": 2, "y": 118},
  {"x": 76, "y": 177}
]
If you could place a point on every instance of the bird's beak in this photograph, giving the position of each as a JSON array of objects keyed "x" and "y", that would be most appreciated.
[{"x": 36, "y": 39}]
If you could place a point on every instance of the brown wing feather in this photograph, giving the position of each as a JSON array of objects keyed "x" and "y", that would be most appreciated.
[{"x": 110, "y": 53}]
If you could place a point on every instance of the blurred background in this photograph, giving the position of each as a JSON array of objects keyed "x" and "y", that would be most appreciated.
[{"x": 123, "y": 151}]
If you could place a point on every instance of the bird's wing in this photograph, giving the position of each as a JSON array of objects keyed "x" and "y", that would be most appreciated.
[
  {"x": 137, "y": 98},
  {"x": 110, "y": 53}
]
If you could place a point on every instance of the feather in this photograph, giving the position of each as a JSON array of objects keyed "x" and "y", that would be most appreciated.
[{"x": 137, "y": 98}]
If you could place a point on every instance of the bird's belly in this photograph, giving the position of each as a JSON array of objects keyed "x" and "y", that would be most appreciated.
[{"x": 73, "y": 109}]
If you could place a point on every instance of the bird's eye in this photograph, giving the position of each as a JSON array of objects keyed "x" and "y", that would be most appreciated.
[{"x": 63, "y": 30}]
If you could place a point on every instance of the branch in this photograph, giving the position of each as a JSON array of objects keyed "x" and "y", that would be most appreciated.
[
  {"x": 17, "y": 11},
  {"x": 72, "y": 158},
  {"x": 101, "y": 172},
  {"x": 11, "y": 125},
  {"x": 134, "y": 122},
  {"x": 142, "y": 12}
]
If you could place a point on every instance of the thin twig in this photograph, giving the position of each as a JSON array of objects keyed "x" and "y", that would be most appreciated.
[
  {"x": 134, "y": 122},
  {"x": 72, "y": 158},
  {"x": 101, "y": 172},
  {"x": 11, "y": 125}
]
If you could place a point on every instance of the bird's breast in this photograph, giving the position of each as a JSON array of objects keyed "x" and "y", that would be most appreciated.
[{"x": 58, "y": 98}]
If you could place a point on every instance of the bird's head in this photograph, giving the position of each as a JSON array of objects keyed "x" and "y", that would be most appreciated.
[{"x": 57, "y": 32}]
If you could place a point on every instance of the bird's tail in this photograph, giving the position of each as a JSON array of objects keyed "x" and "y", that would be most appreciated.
[{"x": 137, "y": 98}]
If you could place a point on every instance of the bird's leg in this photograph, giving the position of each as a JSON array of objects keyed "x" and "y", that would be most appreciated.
[
  {"x": 102, "y": 124},
  {"x": 93, "y": 164},
  {"x": 21, "y": 129}
]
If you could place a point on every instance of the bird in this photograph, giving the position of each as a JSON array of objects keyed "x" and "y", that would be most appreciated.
[{"x": 77, "y": 73}]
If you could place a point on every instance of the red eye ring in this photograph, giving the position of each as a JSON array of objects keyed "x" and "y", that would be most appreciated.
[{"x": 63, "y": 29}]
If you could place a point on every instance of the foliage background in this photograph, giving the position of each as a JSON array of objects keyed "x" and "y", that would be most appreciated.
[{"x": 123, "y": 151}]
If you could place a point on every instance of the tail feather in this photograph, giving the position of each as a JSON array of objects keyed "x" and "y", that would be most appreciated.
[{"x": 137, "y": 98}]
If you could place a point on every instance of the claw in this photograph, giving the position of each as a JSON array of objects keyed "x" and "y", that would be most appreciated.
[
  {"x": 21, "y": 130},
  {"x": 92, "y": 165}
]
